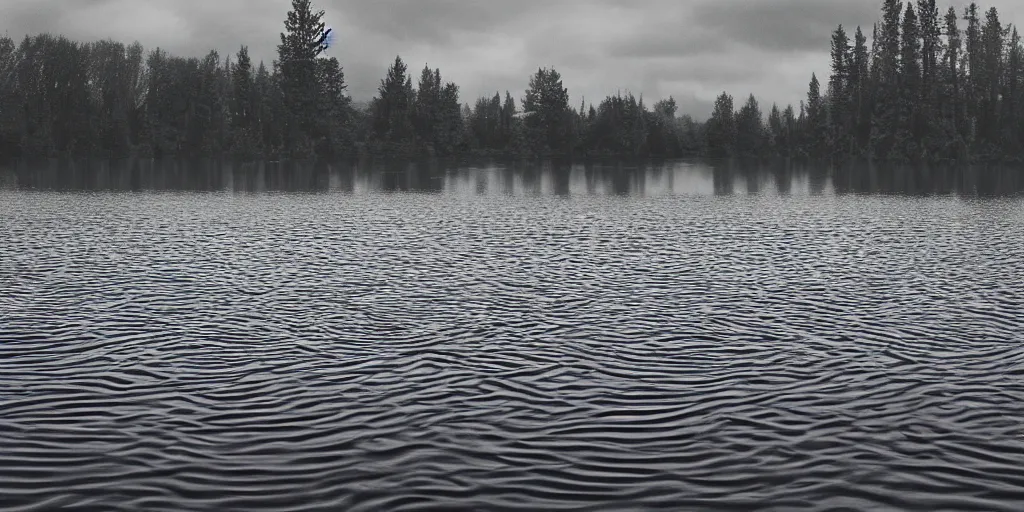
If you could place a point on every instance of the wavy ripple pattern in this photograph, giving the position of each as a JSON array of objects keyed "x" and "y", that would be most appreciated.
[{"x": 452, "y": 352}]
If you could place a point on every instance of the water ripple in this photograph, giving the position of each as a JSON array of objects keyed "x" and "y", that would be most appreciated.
[{"x": 458, "y": 352}]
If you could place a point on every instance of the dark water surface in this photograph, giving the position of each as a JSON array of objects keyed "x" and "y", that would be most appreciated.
[{"x": 512, "y": 340}]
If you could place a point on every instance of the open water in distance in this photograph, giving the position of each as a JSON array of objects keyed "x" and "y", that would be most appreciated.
[{"x": 492, "y": 339}]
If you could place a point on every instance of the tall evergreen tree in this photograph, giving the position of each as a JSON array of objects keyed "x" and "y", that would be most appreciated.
[
  {"x": 297, "y": 66},
  {"x": 790, "y": 125},
  {"x": 721, "y": 129},
  {"x": 952, "y": 85},
  {"x": 333, "y": 133},
  {"x": 547, "y": 112},
  {"x": 775, "y": 132},
  {"x": 244, "y": 105},
  {"x": 817, "y": 121},
  {"x": 392, "y": 106},
  {"x": 1012, "y": 105},
  {"x": 508, "y": 121},
  {"x": 749, "y": 129},
  {"x": 885, "y": 117},
  {"x": 840, "y": 86},
  {"x": 909, "y": 129},
  {"x": 10, "y": 99},
  {"x": 449, "y": 128},
  {"x": 861, "y": 93},
  {"x": 975, "y": 87},
  {"x": 426, "y": 109},
  {"x": 990, "y": 87},
  {"x": 931, "y": 43}
]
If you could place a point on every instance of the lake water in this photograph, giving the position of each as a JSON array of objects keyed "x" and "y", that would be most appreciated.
[{"x": 666, "y": 338}]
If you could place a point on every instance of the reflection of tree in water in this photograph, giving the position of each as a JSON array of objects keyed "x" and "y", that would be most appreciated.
[
  {"x": 783, "y": 178},
  {"x": 817, "y": 180},
  {"x": 489, "y": 177},
  {"x": 560, "y": 175},
  {"x": 752, "y": 179},
  {"x": 723, "y": 180}
]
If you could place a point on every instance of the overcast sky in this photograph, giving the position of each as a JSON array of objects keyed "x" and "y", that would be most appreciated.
[{"x": 691, "y": 49}]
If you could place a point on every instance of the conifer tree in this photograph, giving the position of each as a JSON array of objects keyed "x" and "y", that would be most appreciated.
[
  {"x": 1012, "y": 104},
  {"x": 790, "y": 125},
  {"x": 840, "y": 85},
  {"x": 974, "y": 72},
  {"x": 449, "y": 127},
  {"x": 931, "y": 43},
  {"x": 817, "y": 120},
  {"x": 885, "y": 117},
  {"x": 952, "y": 84},
  {"x": 297, "y": 67},
  {"x": 749, "y": 129},
  {"x": 860, "y": 94},
  {"x": 775, "y": 132},
  {"x": 508, "y": 120},
  {"x": 426, "y": 109},
  {"x": 333, "y": 135},
  {"x": 909, "y": 128},
  {"x": 244, "y": 105},
  {"x": 721, "y": 129},
  {"x": 393, "y": 106},
  {"x": 547, "y": 112},
  {"x": 990, "y": 87}
]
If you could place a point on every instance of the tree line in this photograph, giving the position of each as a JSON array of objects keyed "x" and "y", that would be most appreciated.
[
  {"x": 930, "y": 88},
  {"x": 925, "y": 90}
]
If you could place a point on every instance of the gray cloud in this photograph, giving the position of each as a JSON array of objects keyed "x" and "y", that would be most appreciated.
[
  {"x": 784, "y": 25},
  {"x": 691, "y": 49}
]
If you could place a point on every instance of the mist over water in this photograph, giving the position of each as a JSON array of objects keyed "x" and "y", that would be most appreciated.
[{"x": 445, "y": 337}]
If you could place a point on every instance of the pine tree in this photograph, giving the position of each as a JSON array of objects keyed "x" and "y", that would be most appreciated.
[
  {"x": 393, "y": 108},
  {"x": 271, "y": 112},
  {"x": 333, "y": 134},
  {"x": 931, "y": 43},
  {"x": 547, "y": 112},
  {"x": 1013, "y": 102},
  {"x": 885, "y": 116},
  {"x": 10, "y": 98},
  {"x": 909, "y": 129},
  {"x": 860, "y": 94},
  {"x": 749, "y": 129},
  {"x": 817, "y": 120},
  {"x": 989, "y": 119},
  {"x": 975, "y": 87},
  {"x": 426, "y": 108},
  {"x": 244, "y": 105},
  {"x": 789, "y": 132},
  {"x": 840, "y": 86},
  {"x": 449, "y": 127},
  {"x": 952, "y": 85},
  {"x": 721, "y": 128},
  {"x": 297, "y": 67},
  {"x": 508, "y": 121},
  {"x": 775, "y": 132}
]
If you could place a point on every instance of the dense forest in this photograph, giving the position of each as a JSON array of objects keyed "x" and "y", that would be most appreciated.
[{"x": 930, "y": 88}]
